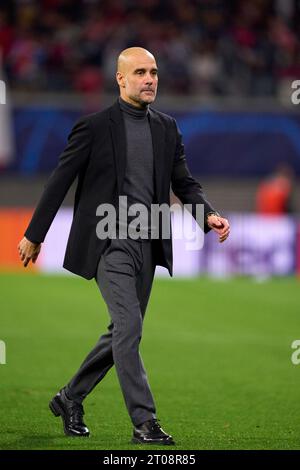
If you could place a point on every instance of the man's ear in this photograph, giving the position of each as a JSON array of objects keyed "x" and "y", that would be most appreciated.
[{"x": 120, "y": 79}]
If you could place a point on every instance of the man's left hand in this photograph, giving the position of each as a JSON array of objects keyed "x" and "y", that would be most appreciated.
[{"x": 219, "y": 225}]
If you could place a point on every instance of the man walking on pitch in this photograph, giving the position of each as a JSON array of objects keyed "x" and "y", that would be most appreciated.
[{"x": 129, "y": 150}]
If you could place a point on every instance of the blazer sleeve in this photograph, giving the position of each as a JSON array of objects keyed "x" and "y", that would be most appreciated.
[
  {"x": 184, "y": 186},
  {"x": 72, "y": 159}
]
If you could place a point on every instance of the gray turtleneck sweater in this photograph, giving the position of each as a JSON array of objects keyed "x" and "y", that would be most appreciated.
[{"x": 138, "y": 183}]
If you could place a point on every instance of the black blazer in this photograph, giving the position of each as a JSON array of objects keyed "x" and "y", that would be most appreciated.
[{"x": 96, "y": 155}]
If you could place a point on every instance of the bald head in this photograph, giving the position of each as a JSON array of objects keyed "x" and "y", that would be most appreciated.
[
  {"x": 131, "y": 55},
  {"x": 137, "y": 76}
]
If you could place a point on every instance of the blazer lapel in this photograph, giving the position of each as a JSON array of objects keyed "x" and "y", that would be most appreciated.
[
  {"x": 158, "y": 143},
  {"x": 118, "y": 135}
]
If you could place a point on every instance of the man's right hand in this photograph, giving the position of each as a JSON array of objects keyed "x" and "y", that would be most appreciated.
[{"x": 28, "y": 251}]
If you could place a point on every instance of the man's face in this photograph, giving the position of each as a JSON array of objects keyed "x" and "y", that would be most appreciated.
[{"x": 138, "y": 80}]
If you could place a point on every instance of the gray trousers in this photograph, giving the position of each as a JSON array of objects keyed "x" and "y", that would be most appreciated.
[{"x": 124, "y": 276}]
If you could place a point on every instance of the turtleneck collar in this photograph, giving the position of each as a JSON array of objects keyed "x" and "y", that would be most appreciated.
[{"x": 133, "y": 111}]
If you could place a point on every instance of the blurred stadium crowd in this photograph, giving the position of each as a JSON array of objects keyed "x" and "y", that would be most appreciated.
[
  {"x": 226, "y": 68},
  {"x": 211, "y": 47}
]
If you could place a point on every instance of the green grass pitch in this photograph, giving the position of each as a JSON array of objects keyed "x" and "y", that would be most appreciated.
[{"x": 217, "y": 353}]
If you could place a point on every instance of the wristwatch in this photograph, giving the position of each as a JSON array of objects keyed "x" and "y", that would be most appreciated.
[{"x": 212, "y": 213}]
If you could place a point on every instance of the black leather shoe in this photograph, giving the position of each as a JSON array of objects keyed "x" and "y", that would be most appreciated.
[
  {"x": 150, "y": 432},
  {"x": 71, "y": 414}
]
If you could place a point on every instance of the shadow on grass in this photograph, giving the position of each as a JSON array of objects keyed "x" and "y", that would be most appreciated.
[
  {"x": 46, "y": 441},
  {"x": 55, "y": 442}
]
